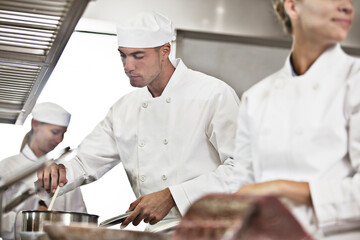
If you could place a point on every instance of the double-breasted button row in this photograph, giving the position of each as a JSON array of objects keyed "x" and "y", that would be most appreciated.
[
  {"x": 142, "y": 143},
  {"x": 143, "y": 178},
  {"x": 145, "y": 104}
]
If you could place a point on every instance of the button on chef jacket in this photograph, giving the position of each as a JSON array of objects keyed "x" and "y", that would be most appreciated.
[
  {"x": 183, "y": 140},
  {"x": 72, "y": 201},
  {"x": 307, "y": 128}
]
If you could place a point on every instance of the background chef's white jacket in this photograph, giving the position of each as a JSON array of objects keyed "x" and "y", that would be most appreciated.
[
  {"x": 184, "y": 140},
  {"x": 307, "y": 128},
  {"x": 71, "y": 201}
]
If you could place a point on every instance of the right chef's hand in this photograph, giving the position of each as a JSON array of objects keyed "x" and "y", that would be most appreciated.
[
  {"x": 152, "y": 208},
  {"x": 52, "y": 176}
]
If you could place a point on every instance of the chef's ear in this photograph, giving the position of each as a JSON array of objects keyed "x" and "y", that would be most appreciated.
[
  {"x": 35, "y": 124},
  {"x": 165, "y": 50},
  {"x": 292, "y": 8}
]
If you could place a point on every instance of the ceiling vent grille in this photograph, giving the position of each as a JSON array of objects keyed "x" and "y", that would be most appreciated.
[{"x": 33, "y": 34}]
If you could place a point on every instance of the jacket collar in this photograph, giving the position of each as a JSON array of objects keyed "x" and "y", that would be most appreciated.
[
  {"x": 29, "y": 154},
  {"x": 180, "y": 70},
  {"x": 328, "y": 61}
]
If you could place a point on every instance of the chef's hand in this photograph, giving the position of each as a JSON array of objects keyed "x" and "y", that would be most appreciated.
[
  {"x": 152, "y": 208},
  {"x": 52, "y": 176},
  {"x": 298, "y": 192}
]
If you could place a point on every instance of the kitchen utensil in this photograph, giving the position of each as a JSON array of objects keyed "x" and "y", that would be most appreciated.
[
  {"x": 54, "y": 198},
  {"x": 16, "y": 201},
  {"x": 115, "y": 220}
]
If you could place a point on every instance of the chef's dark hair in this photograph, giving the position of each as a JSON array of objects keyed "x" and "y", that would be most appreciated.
[
  {"x": 26, "y": 139},
  {"x": 283, "y": 16},
  {"x": 28, "y": 136}
]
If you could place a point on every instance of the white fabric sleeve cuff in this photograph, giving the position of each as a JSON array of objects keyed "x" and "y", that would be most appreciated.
[
  {"x": 319, "y": 198},
  {"x": 334, "y": 212},
  {"x": 180, "y": 198}
]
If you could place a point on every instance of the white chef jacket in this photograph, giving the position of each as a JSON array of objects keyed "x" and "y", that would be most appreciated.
[
  {"x": 72, "y": 201},
  {"x": 307, "y": 128},
  {"x": 184, "y": 140}
]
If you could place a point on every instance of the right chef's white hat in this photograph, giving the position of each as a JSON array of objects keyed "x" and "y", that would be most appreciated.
[
  {"x": 52, "y": 113},
  {"x": 146, "y": 30}
]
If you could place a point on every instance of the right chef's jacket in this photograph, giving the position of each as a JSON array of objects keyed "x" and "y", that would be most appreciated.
[
  {"x": 307, "y": 128},
  {"x": 183, "y": 140}
]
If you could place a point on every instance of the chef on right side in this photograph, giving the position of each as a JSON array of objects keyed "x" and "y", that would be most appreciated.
[{"x": 298, "y": 131}]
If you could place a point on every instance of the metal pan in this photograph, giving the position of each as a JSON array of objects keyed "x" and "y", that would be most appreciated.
[{"x": 34, "y": 221}]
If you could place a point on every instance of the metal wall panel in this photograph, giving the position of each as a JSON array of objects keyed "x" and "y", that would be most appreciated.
[{"x": 242, "y": 18}]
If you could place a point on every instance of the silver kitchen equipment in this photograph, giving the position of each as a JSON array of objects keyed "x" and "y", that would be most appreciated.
[
  {"x": 35, "y": 221},
  {"x": 115, "y": 220}
]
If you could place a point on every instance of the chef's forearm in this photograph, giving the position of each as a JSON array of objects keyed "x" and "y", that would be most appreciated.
[{"x": 298, "y": 192}]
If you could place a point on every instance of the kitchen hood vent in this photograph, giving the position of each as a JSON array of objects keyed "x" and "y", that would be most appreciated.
[{"x": 33, "y": 34}]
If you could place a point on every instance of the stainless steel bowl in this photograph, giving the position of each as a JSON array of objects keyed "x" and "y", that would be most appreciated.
[{"x": 34, "y": 221}]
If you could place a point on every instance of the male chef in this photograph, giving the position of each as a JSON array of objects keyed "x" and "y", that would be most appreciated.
[{"x": 174, "y": 135}]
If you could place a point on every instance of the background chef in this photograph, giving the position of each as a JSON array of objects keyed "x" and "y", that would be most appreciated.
[
  {"x": 175, "y": 135},
  {"x": 299, "y": 128},
  {"x": 48, "y": 126}
]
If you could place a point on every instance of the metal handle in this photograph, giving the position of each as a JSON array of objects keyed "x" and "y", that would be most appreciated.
[{"x": 16, "y": 201}]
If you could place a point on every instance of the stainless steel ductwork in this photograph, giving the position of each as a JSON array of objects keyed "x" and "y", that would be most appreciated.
[{"x": 33, "y": 34}]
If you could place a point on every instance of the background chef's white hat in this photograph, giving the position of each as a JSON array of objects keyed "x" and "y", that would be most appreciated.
[
  {"x": 52, "y": 113},
  {"x": 146, "y": 30}
]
